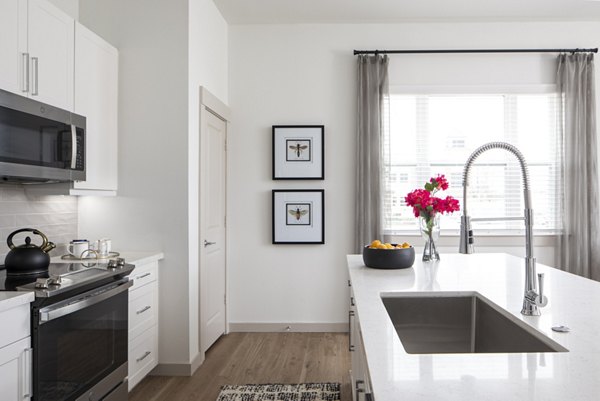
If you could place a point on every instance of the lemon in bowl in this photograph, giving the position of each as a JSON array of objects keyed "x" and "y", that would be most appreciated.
[{"x": 379, "y": 255}]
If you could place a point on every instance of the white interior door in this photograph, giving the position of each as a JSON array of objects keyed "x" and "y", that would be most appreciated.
[{"x": 212, "y": 228}]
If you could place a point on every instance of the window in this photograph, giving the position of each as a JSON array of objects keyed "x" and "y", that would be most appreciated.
[{"x": 431, "y": 134}]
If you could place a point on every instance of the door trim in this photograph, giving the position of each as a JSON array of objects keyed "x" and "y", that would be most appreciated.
[{"x": 214, "y": 105}]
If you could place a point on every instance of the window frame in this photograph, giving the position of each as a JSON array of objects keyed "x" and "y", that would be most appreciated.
[{"x": 516, "y": 190}]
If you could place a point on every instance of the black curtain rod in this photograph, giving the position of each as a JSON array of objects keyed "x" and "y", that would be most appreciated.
[{"x": 594, "y": 50}]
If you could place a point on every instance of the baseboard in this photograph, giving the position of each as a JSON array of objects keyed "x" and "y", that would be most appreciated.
[
  {"x": 290, "y": 327},
  {"x": 198, "y": 360},
  {"x": 178, "y": 369}
]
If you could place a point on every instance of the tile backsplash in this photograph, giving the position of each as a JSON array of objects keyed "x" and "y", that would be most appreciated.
[{"x": 55, "y": 216}]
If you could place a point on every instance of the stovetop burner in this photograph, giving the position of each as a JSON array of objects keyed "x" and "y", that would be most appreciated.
[{"x": 62, "y": 277}]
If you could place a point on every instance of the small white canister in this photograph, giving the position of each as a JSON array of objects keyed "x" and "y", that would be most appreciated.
[{"x": 104, "y": 246}]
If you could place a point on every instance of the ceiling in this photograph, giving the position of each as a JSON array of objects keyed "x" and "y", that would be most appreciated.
[{"x": 382, "y": 11}]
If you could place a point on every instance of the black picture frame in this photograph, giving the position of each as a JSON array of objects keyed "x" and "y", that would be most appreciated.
[
  {"x": 311, "y": 225},
  {"x": 298, "y": 152}
]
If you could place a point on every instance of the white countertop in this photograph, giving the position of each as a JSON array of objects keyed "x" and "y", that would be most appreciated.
[
  {"x": 12, "y": 299},
  {"x": 133, "y": 257},
  {"x": 562, "y": 376},
  {"x": 140, "y": 258}
]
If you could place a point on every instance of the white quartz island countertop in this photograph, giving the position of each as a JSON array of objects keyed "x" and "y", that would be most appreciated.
[{"x": 553, "y": 376}]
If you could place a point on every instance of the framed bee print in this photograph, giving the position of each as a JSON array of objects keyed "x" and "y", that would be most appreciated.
[
  {"x": 298, "y": 216},
  {"x": 298, "y": 152}
]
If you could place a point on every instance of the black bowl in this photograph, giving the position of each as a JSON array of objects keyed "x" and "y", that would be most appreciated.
[{"x": 397, "y": 258}]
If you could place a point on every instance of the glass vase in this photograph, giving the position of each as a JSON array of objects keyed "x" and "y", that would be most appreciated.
[{"x": 430, "y": 231}]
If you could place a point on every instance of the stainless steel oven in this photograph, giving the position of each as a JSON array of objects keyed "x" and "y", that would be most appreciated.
[
  {"x": 39, "y": 142},
  {"x": 80, "y": 345}
]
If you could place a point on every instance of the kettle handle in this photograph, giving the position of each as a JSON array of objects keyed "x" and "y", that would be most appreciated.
[{"x": 33, "y": 230}]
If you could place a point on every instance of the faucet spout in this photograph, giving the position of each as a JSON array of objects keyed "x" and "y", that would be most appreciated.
[{"x": 531, "y": 299}]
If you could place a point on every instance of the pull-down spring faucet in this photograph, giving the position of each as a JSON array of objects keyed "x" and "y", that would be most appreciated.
[{"x": 532, "y": 299}]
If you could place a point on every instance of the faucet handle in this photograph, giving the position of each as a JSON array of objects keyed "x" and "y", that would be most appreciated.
[{"x": 541, "y": 300}]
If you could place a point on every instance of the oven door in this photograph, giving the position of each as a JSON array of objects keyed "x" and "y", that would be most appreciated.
[{"x": 80, "y": 341}]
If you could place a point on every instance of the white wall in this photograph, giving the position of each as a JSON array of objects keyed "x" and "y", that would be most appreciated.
[
  {"x": 167, "y": 51},
  {"x": 305, "y": 74},
  {"x": 150, "y": 212},
  {"x": 71, "y": 7}
]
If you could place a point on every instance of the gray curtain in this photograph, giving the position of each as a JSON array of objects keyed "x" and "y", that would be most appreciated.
[
  {"x": 373, "y": 91},
  {"x": 579, "y": 246}
]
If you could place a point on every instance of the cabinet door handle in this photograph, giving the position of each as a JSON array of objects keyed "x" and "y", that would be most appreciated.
[
  {"x": 144, "y": 309},
  {"x": 25, "y": 83},
  {"x": 142, "y": 276},
  {"x": 350, "y": 342},
  {"x": 26, "y": 365},
  {"x": 34, "y": 75},
  {"x": 141, "y": 358}
]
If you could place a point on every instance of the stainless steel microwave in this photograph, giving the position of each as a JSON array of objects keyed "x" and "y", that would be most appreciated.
[{"x": 39, "y": 143}]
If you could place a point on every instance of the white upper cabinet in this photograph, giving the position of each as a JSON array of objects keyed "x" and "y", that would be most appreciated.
[
  {"x": 13, "y": 46},
  {"x": 47, "y": 56},
  {"x": 96, "y": 98},
  {"x": 36, "y": 51},
  {"x": 50, "y": 39}
]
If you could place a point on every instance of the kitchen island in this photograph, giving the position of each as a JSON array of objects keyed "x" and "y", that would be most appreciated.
[{"x": 397, "y": 375}]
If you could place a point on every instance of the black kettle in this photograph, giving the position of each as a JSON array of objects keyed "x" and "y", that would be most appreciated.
[{"x": 28, "y": 259}]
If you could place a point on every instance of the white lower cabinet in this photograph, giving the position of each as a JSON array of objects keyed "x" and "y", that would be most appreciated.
[
  {"x": 143, "y": 353},
  {"x": 143, "y": 322},
  {"x": 16, "y": 381},
  {"x": 359, "y": 375},
  {"x": 15, "y": 371}
]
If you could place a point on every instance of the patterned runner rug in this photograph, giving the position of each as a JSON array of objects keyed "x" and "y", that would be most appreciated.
[{"x": 281, "y": 392}]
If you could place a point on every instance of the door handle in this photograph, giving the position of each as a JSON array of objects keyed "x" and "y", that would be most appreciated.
[
  {"x": 141, "y": 358},
  {"x": 34, "y": 73},
  {"x": 351, "y": 315},
  {"x": 25, "y": 84},
  {"x": 207, "y": 243},
  {"x": 26, "y": 365}
]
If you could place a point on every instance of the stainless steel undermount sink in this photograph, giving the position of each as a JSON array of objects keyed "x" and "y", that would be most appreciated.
[{"x": 460, "y": 323}]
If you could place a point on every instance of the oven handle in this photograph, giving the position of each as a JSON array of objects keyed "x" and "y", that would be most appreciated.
[{"x": 48, "y": 314}]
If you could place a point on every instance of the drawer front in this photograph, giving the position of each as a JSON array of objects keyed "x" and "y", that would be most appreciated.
[
  {"x": 15, "y": 371},
  {"x": 143, "y": 355},
  {"x": 143, "y": 309},
  {"x": 143, "y": 274},
  {"x": 15, "y": 324}
]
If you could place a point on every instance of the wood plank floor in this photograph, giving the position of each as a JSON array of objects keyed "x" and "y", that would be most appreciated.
[{"x": 257, "y": 358}]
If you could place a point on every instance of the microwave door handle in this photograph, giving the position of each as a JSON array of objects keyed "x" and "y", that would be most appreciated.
[
  {"x": 49, "y": 314},
  {"x": 73, "y": 147}
]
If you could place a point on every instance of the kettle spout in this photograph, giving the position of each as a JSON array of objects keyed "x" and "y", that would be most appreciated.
[{"x": 49, "y": 246}]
